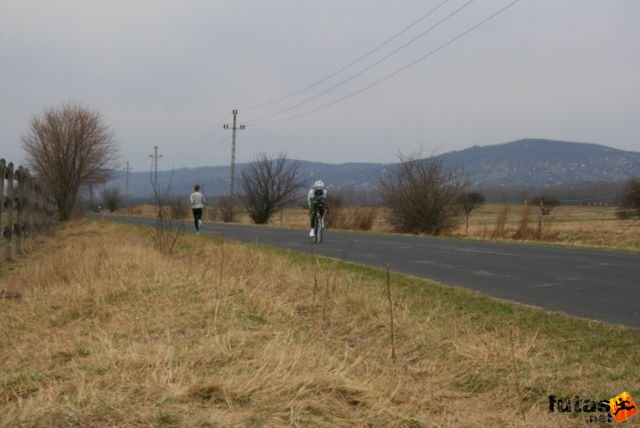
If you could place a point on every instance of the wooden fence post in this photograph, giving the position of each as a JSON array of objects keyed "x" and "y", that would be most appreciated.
[
  {"x": 20, "y": 207},
  {"x": 8, "y": 229},
  {"x": 29, "y": 203},
  {"x": 3, "y": 167},
  {"x": 25, "y": 208}
]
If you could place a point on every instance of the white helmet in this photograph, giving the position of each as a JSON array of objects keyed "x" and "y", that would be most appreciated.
[{"x": 318, "y": 185}]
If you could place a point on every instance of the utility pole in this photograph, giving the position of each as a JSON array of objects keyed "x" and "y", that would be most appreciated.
[
  {"x": 233, "y": 150},
  {"x": 127, "y": 169},
  {"x": 155, "y": 157}
]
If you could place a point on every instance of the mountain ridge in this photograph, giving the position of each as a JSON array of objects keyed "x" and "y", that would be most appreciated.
[{"x": 524, "y": 162}]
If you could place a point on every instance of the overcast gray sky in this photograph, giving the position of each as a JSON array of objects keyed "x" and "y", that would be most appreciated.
[{"x": 168, "y": 73}]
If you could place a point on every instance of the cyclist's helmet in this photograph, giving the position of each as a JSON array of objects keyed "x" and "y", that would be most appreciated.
[{"x": 318, "y": 185}]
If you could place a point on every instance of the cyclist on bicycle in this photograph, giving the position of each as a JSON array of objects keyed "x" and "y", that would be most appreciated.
[{"x": 317, "y": 202}]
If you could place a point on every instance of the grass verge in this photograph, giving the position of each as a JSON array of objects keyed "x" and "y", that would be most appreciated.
[{"x": 110, "y": 332}]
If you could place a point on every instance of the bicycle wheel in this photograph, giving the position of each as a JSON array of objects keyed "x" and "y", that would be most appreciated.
[{"x": 318, "y": 228}]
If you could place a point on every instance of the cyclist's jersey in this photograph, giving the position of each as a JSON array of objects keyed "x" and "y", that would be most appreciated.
[
  {"x": 314, "y": 194},
  {"x": 318, "y": 202}
]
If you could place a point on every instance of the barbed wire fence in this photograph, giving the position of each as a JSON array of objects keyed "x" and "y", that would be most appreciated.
[{"x": 25, "y": 209}]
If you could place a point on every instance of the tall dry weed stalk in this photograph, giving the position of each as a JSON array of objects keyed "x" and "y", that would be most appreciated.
[
  {"x": 516, "y": 373},
  {"x": 523, "y": 231},
  {"x": 499, "y": 229},
  {"x": 393, "y": 343},
  {"x": 165, "y": 234}
]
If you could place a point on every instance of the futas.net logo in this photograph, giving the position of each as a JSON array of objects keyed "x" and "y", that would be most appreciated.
[{"x": 619, "y": 408}]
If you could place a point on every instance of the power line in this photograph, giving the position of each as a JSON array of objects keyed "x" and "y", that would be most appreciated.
[
  {"x": 380, "y": 46},
  {"x": 398, "y": 71},
  {"x": 202, "y": 139},
  {"x": 364, "y": 70},
  {"x": 218, "y": 143}
]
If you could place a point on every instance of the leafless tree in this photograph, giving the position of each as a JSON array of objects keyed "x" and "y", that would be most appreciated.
[
  {"x": 111, "y": 198},
  {"x": 545, "y": 203},
  {"x": 69, "y": 147},
  {"x": 470, "y": 201},
  {"x": 421, "y": 195},
  {"x": 630, "y": 203},
  {"x": 269, "y": 184}
]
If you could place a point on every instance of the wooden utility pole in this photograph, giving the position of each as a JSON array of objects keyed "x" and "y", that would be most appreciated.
[
  {"x": 233, "y": 150},
  {"x": 155, "y": 157},
  {"x": 127, "y": 169},
  {"x": 8, "y": 229}
]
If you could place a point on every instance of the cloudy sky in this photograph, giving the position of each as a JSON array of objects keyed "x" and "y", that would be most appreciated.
[{"x": 168, "y": 73}]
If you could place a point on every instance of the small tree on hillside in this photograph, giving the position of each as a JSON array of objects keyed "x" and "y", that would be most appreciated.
[
  {"x": 421, "y": 196},
  {"x": 111, "y": 198},
  {"x": 545, "y": 203},
  {"x": 69, "y": 147},
  {"x": 269, "y": 184},
  {"x": 630, "y": 203},
  {"x": 470, "y": 201}
]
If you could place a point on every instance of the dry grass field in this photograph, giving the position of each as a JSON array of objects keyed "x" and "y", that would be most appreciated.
[
  {"x": 108, "y": 331},
  {"x": 568, "y": 225}
]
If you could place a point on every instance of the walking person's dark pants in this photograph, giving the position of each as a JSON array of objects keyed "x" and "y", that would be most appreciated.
[{"x": 197, "y": 215}]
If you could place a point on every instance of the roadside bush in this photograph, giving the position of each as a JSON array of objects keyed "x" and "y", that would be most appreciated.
[
  {"x": 179, "y": 207},
  {"x": 226, "y": 209},
  {"x": 421, "y": 196},
  {"x": 630, "y": 204}
]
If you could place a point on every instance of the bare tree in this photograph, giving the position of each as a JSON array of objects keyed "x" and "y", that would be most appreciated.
[
  {"x": 111, "y": 198},
  {"x": 421, "y": 196},
  {"x": 269, "y": 184},
  {"x": 630, "y": 203},
  {"x": 470, "y": 201},
  {"x": 545, "y": 203},
  {"x": 69, "y": 147}
]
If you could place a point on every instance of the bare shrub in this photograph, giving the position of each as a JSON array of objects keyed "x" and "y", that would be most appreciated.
[
  {"x": 523, "y": 231},
  {"x": 542, "y": 232},
  {"x": 226, "y": 209},
  {"x": 545, "y": 203},
  {"x": 269, "y": 184},
  {"x": 179, "y": 208},
  {"x": 630, "y": 204},
  {"x": 421, "y": 196},
  {"x": 363, "y": 218},
  {"x": 69, "y": 147},
  {"x": 499, "y": 230},
  {"x": 111, "y": 198},
  {"x": 335, "y": 220},
  {"x": 165, "y": 234},
  {"x": 349, "y": 218}
]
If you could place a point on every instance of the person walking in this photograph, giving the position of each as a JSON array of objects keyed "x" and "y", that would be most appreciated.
[{"x": 197, "y": 205}]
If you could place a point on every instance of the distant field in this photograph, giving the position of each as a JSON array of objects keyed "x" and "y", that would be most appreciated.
[
  {"x": 568, "y": 225},
  {"x": 108, "y": 331}
]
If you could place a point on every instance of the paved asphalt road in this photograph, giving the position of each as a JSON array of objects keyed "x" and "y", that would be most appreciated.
[{"x": 600, "y": 285}]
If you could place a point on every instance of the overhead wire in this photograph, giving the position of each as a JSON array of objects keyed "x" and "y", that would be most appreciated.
[
  {"x": 369, "y": 67},
  {"x": 394, "y": 73},
  {"x": 352, "y": 63},
  {"x": 210, "y": 133}
]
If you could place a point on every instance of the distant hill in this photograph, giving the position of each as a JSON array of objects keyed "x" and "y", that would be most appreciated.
[
  {"x": 527, "y": 162},
  {"x": 536, "y": 162}
]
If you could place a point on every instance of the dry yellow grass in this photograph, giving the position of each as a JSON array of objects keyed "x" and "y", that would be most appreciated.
[
  {"x": 569, "y": 225},
  {"x": 110, "y": 332}
]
